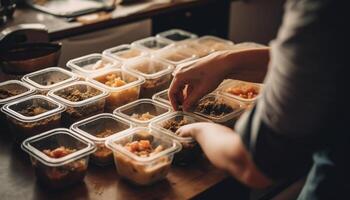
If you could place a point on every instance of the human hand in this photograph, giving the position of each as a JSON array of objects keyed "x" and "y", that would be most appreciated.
[{"x": 193, "y": 82}]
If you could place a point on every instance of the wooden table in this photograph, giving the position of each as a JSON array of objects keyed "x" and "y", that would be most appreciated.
[{"x": 191, "y": 15}]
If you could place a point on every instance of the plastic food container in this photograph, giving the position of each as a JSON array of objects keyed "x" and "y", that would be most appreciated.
[
  {"x": 156, "y": 73},
  {"x": 143, "y": 168},
  {"x": 49, "y": 78},
  {"x": 125, "y": 52},
  {"x": 220, "y": 109},
  {"x": 91, "y": 64},
  {"x": 59, "y": 157},
  {"x": 195, "y": 48},
  {"x": 176, "y": 35},
  {"x": 142, "y": 111},
  {"x": 82, "y": 100},
  {"x": 98, "y": 129},
  {"x": 162, "y": 97},
  {"x": 246, "y": 92},
  {"x": 11, "y": 91},
  {"x": 123, "y": 86},
  {"x": 168, "y": 126},
  {"x": 215, "y": 43},
  {"x": 176, "y": 54},
  {"x": 32, "y": 115},
  {"x": 151, "y": 43}
]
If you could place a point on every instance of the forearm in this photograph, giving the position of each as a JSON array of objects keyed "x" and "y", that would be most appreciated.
[
  {"x": 247, "y": 65},
  {"x": 226, "y": 151}
]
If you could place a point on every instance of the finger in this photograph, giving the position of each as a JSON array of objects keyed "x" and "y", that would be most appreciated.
[
  {"x": 193, "y": 98},
  {"x": 176, "y": 92},
  {"x": 185, "y": 131}
]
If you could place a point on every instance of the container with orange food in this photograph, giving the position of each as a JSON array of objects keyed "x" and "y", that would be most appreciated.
[
  {"x": 246, "y": 92},
  {"x": 98, "y": 129},
  {"x": 143, "y": 156},
  {"x": 59, "y": 157},
  {"x": 123, "y": 86}
]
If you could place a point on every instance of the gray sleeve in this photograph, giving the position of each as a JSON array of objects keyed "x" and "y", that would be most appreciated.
[{"x": 291, "y": 117}]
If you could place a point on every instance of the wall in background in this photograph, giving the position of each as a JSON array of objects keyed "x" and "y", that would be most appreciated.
[{"x": 255, "y": 20}]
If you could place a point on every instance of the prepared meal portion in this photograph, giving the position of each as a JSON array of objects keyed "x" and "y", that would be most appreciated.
[
  {"x": 123, "y": 87},
  {"x": 142, "y": 117},
  {"x": 162, "y": 97},
  {"x": 59, "y": 158},
  {"x": 82, "y": 100},
  {"x": 124, "y": 52},
  {"x": 32, "y": 115},
  {"x": 176, "y": 35},
  {"x": 151, "y": 43},
  {"x": 143, "y": 156},
  {"x": 215, "y": 43},
  {"x": 97, "y": 129},
  {"x": 92, "y": 63},
  {"x": 220, "y": 109},
  {"x": 169, "y": 125},
  {"x": 214, "y": 107},
  {"x": 49, "y": 78},
  {"x": 156, "y": 73},
  {"x": 142, "y": 112},
  {"x": 244, "y": 91}
]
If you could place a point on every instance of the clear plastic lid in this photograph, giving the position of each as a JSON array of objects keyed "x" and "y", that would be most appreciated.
[
  {"x": 176, "y": 54},
  {"x": 219, "y": 108},
  {"x": 215, "y": 43},
  {"x": 125, "y": 52},
  {"x": 33, "y": 108},
  {"x": 177, "y": 35},
  {"x": 126, "y": 80},
  {"x": 49, "y": 78},
  {"x": 151, "y": 43},
  {"x": 56, "y": 138},
  {"x": 116, "y": 143},
  {"x": 149, "y": 67},
  {"x": 14, "y": 89},
  {"x": 142, "y": 111},
  {"x": 172, "y": 121},
  {"x": 78, "y": 94},
  {"x": 162, "y": 97},
  {"x": 100, "y": 127},
  {"x": 241, "y": 90},
  {"x": 92, "y": 63}
]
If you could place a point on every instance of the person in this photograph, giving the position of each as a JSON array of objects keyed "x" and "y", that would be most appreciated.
[{"x": 295, "y": 128}]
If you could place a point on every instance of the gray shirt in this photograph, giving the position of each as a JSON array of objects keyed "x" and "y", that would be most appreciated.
[{"x": 297, "y": 117}]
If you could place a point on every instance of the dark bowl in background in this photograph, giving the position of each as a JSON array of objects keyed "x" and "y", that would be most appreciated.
[{"x": 29, "y": 57}]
